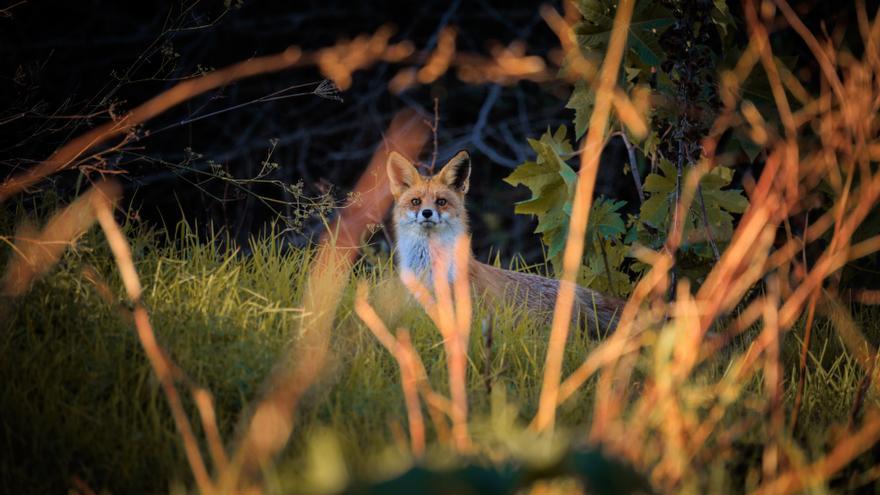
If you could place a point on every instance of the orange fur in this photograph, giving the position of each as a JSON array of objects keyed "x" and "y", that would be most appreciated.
[{"x": 422, "y": 236}]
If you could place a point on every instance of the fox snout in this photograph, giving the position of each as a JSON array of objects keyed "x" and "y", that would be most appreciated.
[{"x": 428, "y": 218}]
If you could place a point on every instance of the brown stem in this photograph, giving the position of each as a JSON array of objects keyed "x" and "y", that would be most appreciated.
[{"x": 607, "y": 266}]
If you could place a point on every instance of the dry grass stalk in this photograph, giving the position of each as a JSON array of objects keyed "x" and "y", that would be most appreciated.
[
  {"x": 772, "y": 381},
  {"x": 450, "y": 309},
  {"x": 451, "y": 313},
  {"x": 620, "y": 343},
  {"x": 272, "y": 422},
  {"x": 409, "y": 378},
  {"x": 574, "y": 245},
  {"x": 340, "y": 61},
  {"x": 407, "y": 363},
  {"x": 407, "y": 134},
  {"x": 35, "y": 253},
  {"x": 439, "y": 406},
  {"x": 749, "y": 258},
  {"x": 844, "y": 451},
  {"x": 205, "y": 404},
  {"x": 580, "y": 68},
  {"x": 438, "y": 62},
  {"x": 453, "y": 318},
  {"x": 158, "y": 360}
]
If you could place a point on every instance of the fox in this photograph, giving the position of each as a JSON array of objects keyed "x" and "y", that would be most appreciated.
[{"x": 429, "y": 215}]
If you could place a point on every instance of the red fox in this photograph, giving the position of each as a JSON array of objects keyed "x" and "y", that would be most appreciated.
[{"x": 429, "y": 215}]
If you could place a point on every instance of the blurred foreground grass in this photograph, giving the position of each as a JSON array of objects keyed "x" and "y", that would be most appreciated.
[{"x": 80, "y": 401}]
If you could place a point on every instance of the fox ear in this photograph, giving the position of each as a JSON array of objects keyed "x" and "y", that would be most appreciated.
[
  {"x": 457, "y": 172},
  {"x": 402, "y": 174}
]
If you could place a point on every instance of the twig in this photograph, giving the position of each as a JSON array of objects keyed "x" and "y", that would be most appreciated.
[
  {"x": 607, "y": 265},
  {"x": 7, "y": 11},
  {"x": 276, "y": 95},
  {"x": 181, "y": 92},
  {"x": 633, "y": 166},
  {"x": 434, "y": 128},
  {"x": 476, "y": 135}
]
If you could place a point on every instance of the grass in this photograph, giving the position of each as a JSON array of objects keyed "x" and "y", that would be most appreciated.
[{"x": 80, "y": 400}]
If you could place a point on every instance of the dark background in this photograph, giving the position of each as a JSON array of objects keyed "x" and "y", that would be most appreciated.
[
  {"x": 65, "y": 67},
  {"x": 65, "y": 64}
]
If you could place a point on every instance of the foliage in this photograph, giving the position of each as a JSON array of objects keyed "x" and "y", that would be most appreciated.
[
  {"x": 717, "y": 221},
  {"x": 552, "y": 181},
  {"x": 677, "y": 59}
]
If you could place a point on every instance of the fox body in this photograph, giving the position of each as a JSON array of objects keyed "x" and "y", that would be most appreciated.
[{"x": 429, "y": 216}]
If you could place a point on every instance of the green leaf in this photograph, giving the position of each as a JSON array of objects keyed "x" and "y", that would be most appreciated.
[
  {"x": 537, "y": 205},
  {"x": 535, "y": 177},
  {"x": 654, "y": 210},
  {"x": 551, "y": 182},
  {"x": 555, "y": 241},
  {"x": 649, "y": 20},
  {"x": 610, "y": 278},
  {"x": 605, "y": 221},
  {"x": 648, "y": 23},
  {"x": 732, "y": 201},
  {"x": 551, "y": 221},
  {"x": 721, "y": 17},
  {"x": 661, "y": 183},
  {"x": 717, "y": 202},
  {"x": 581, "y": 101}
]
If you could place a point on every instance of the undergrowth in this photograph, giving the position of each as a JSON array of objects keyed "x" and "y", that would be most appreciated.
[{"x": 80, "y": 400}]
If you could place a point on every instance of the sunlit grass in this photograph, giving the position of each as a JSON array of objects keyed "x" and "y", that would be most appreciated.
[{"x": 80, "y": 399}]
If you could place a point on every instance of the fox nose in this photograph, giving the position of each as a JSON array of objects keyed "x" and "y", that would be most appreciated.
[{"x": 427, "y": 213}]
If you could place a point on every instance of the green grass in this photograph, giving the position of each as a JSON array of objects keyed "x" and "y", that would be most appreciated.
[{"x": 79, "y": 398}]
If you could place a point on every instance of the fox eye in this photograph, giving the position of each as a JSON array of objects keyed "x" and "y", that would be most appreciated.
[
  {"x": 416, "y": 201},
  {"x": 441, "y": 202}
]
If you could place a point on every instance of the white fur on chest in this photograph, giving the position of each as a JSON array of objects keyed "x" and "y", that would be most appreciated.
[{"x": 418, "y": 251}]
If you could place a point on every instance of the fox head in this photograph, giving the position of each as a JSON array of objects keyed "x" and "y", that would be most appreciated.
[
  {"x": 430, "y": 206},
  {"x": 429, "y": 212}
]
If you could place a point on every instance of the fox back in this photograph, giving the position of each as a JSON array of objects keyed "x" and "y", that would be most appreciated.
[{"x": 429, "y": 215}]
